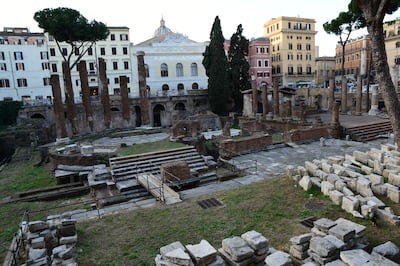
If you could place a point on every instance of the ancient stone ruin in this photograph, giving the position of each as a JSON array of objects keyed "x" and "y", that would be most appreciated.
[
  {"x": 334, "y": 243},
  {"x": 354, "y": 181}
]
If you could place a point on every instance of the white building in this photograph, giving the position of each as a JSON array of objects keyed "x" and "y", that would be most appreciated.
[
  {"x": 115, "y": 51},
  {"x": 173, "y": 62},
  {"x": 24, "y": 67}
]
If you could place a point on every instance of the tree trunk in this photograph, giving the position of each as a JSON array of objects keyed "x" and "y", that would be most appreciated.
[
  {"x": 344, "y": 82},
  {"x": 374, "y": 12}
]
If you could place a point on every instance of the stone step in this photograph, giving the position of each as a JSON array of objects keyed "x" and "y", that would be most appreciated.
[
  {"x": 158, "y": 189},
  {"x": 150, "y": 155}
]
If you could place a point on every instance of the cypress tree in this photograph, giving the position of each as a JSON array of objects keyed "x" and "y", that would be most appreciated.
[
  {"x": 216, "y": 66},
  {"x": 238, "y": 67}
]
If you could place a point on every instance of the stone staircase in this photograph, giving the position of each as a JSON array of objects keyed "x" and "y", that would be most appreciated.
[
  {"x": 370, "y": 131},
  {"x": 126, "y": 169}
]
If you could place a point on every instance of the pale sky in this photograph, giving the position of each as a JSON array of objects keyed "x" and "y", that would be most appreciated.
[{"x": 188, "y": 17}]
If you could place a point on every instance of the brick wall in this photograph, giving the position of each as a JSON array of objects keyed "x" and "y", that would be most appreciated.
[
  {"x": 229, "y": 147},
  {"x": 175, "y": 171}
]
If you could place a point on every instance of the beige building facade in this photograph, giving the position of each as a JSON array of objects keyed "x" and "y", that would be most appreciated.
[
  {"x": 391, "y": 31},
  {"x": 324, "y": 70},
  {"x": 293, "y": 50}
]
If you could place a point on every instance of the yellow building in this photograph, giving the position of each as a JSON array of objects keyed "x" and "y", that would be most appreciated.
[
  {"x": 391, "y": 31},
  {"x": 293, "y": 50}
]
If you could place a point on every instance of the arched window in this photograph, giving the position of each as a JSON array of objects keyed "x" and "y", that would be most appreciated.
[
  {"x": 181, "y": 89},
  {"x": 195, "y": 86},
  {"x": 397, "y": 44},
  {"x": 299, "y": 69},
  {"x": 164, "y": 70},
  {"x": 193, "y": 70},
  {"x": 165, "y": 89},
  {"x": 179, "y": 70}
]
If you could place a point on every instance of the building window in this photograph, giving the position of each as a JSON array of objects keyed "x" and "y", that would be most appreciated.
[
  {"x": 299, "y": 46},
  {"x": 290, "y": 56},
  {"x": 290, "y": 70},
  {"x": 3, "y": 67},
  {"x": 91, "y": 68},
  {"x": 193, "y": 70},
  {"x": 123, "y": 37},
  {"x": 308, "y": 47},
  {"x": 54, "y": 67},
  {"x": 112, "y": 36},
  {"x": 164, "y": 70},
  {"x": 266, "y": 63},
  {"x": 299, "y": 56},
  {"x": 4, "y": 83},
  {"x": 90, "y": 51},
  {"x": 2, "y": 57},
  {"x": 308, "y": 57},
  {"x": 289, "y": 25},
  {"x": 19, "y": 66},
  {"x": 278, "y": 69},
  {"x": 308, "y": 69},
  {"x": 146, "y": 69},
  {"x": 113, "y": 50},
  {"x": 46, "y": 81},
  {"x": 259, "y": 74},
  {"x": 126, "y": 65},
  {"x": 124, "y": 50},
  {"x": 103, "y": 51},
  {"x": 64, "y": 51},
  {"x": 308, "y": 26},
  {"x": 290, "y": 46},
  {"x": 397, "y": 60},
  {"x": 115, "y": 65},
  {"x": 116, "y": 80},
  {"x": 52, "y": 52},
  {"x": 299, "y": 69},
  {"x": 259, "y": 63},
  {"x": 44, "y": 55},
  {"x": 18, "y": 56},
  {"x": 76, "y": 51},
  {"x": 22, "y": 82}
]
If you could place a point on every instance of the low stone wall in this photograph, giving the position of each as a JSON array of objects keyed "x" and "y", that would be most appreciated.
[
  {"x": 306, "y": 134},
  {"x": 231, "y": 147}
]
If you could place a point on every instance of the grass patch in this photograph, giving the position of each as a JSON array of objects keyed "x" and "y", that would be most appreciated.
[{"x": 149, "y": 147}]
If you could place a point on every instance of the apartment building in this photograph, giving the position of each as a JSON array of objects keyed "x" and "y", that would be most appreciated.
[
  {"x": 293, "y": 50},
  {"x": 259, "y": 59},
  {"x": 357, "y": 58},
  {"x": 392, "y": 44},
  {"x": 324, "y": 70},
  {"x": 24, "y": 66},
  {"x": 116, "y": 52},
  {"x": 173, "y": 62}
]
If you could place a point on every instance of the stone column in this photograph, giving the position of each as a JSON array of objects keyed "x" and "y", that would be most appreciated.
[
  {"x": 264, "y": 100},
  {"x": 69, "y": 98},
  {"x": 359, "y": 96},
  {"x": 105, "y": 97},
  {"x": 143, "y": 100},
  {"x": 289, "y": 108},
  {"x": 335, "y": 114},
  {"x": 123, "y": 82},
  {"x": 254, "y": 95},
  {"x": 344, "y": 94},
  {"x": 276, "y": 99},
  {"x": 58, "y": 107},
  {"x": 331, "y": 93},
  {"x": 83, "y": 75},
  {"x": 374, "y": 100}
]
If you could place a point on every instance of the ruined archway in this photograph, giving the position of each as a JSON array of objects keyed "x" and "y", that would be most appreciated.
[
  {"x": 157, "y": 115},
  {"x": 38, "y": 116}
]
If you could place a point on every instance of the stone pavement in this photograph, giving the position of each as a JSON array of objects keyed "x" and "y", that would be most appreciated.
[{"x": 272, "y": 162}]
